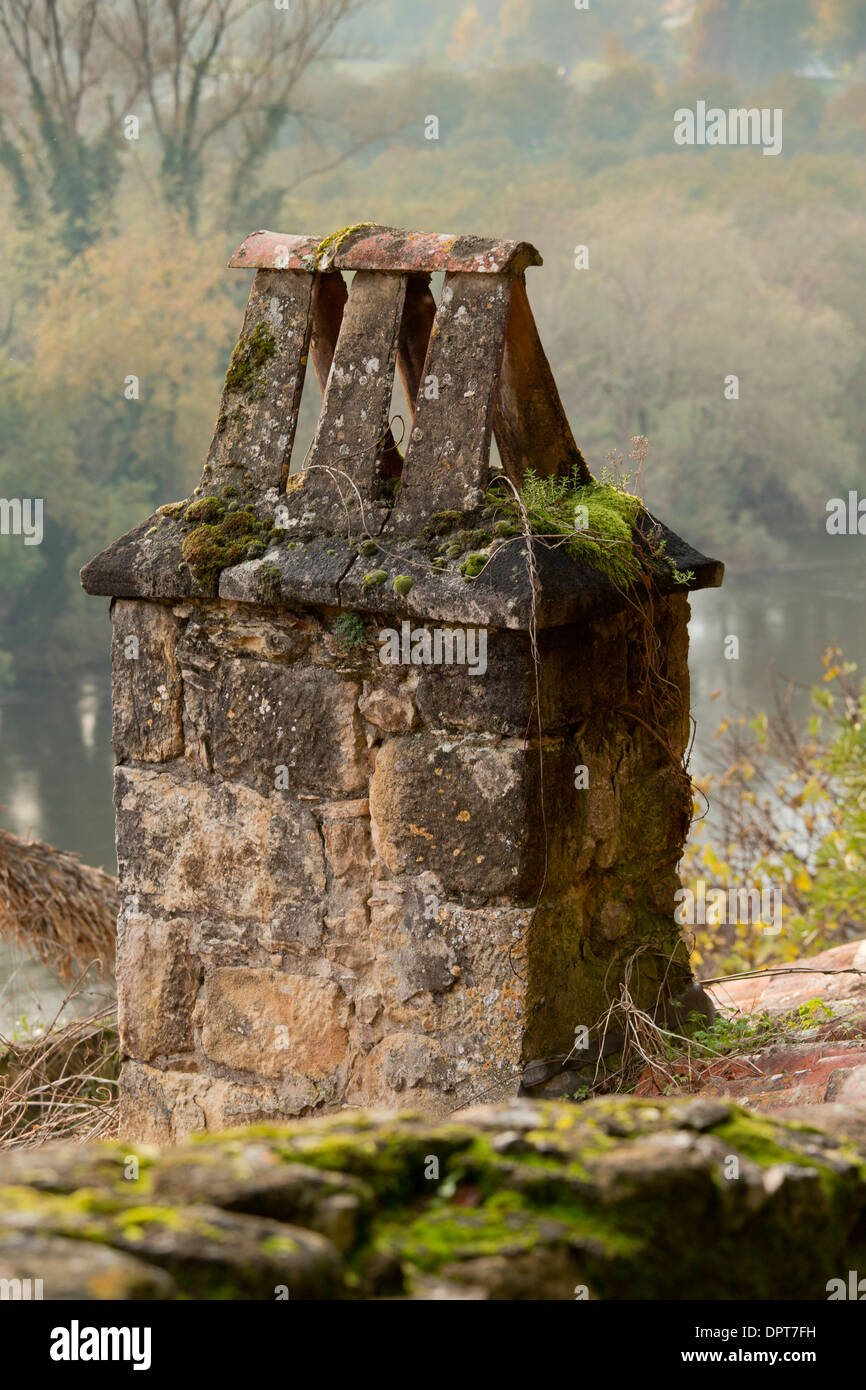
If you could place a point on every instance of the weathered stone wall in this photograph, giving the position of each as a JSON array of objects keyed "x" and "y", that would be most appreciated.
[{"x": 329, "y": 865}]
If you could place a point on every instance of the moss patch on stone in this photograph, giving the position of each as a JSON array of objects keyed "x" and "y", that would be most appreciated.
[
  {"x": 205, "y": 509},
  {"x": 270, "y": 584},
  {"x": 349, "y": 631},
  {"x": 249, "y": 357},
  {"x": 213, "y": 547},
  {"x": 630, "y": 1197},
  {"x": 445, "y": 1232},
  {"x": 595, "y": 523},
  {"x": 388, "y": 489},
  {"x": 473, "y": 565},
  {"x": 441, "y": 523}
]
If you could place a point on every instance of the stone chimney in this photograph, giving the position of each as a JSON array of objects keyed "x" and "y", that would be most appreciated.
[{"x": 399, "y": 793}]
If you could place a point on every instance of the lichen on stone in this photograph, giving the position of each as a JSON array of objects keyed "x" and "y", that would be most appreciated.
[{"x": 328, "y": 247}]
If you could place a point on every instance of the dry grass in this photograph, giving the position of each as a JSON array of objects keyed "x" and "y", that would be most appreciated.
[
  {"x": 61, "y": 1084},
  {"x": 54, "y": 907}
]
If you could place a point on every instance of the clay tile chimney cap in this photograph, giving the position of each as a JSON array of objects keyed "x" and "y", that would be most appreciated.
[{"x": 367, "y": 246}]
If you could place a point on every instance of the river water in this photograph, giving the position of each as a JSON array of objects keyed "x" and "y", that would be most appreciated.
[{"x": 56, "y": 759}]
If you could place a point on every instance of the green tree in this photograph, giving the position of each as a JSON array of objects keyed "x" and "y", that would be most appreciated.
[
  {"x": 101, "y": 450},
  {"x": 676, "y": 301}
]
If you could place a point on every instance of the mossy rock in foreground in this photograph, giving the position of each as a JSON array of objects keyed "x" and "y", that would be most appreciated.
[{"x": 620, "y": 1198}]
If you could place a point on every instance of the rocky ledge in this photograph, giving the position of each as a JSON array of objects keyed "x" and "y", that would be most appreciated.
[{"x": 614, "y": 1199}]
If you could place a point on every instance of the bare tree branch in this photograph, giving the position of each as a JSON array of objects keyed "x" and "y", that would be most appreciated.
[{"x": 212, "y": 68}]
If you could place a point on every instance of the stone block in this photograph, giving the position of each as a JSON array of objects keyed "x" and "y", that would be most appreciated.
[
  {"x": 157, "y": 982},
  {"x": 403, "y": 1068},
  {"x": 460, "y": 809},
  {"x": 276, "y": 727},
  {"x": 272, "y": 1024},
  {"x": 164, "y": 1107},
  {"x": 146, "y": 683},
  {"x": 186, "y": 846},
  {"x": 389, "y": 704}
]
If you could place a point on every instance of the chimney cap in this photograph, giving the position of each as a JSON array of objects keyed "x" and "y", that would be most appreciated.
[
  {"x": 368, "y": 246},
  {"x": 472, "y": 367}
]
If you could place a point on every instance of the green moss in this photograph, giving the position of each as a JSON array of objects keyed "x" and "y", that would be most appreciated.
[
  {"x": 441, "y": 523},
  {"x": 247, "y": 360},
  {"x": 595, "y": 523},
  {"x": 327, "y": 249},
  {"x": 547, "y": 1171},
  {"x": 228, "y": 534},
  {"x": 473, "y": 565},
  {"x": 270, "y": 582},
  {"x": 368, "y": 547},
  {"x": 758, "y": 1139},
  {"x": 504, "y": 1224},
  {"x": 349, "y": 631},
  {"x": 579, "y": 1192},
  {"x": 238, "y": 525},
  {"x": 388, "y": 489},
  {"x": 375, "y": 577},
  {"x": 230, "y": 491},
  {"x": 210, "y": 549},
  {"x": 403, "y": 584},
  {"x": 103, "y": 1217},
  {"x": 206, "y": 553},
  {"x": 391, "y": 1159},
  {"x": 131, "y": 1222},
  {"x": 279, "y": 1245},
  {"x": 474, "y": 540}
]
